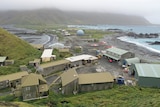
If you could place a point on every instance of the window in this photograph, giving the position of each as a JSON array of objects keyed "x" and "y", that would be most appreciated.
[{"x": 28, "y": 88}]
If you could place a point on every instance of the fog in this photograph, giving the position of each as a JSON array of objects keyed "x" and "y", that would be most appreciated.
[{"x": 150, "y": 9}]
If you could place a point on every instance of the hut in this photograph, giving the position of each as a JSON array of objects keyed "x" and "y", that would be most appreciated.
[
  {"x": 34, "y": 86},
  {"x": 51, "y": 67},
  {"x": 95, "y": 81},
  {"x": 35, "y": 62},
  {"x": 12, "y": 80},
  {"x": 9, "y": 62},
  {"x": 69, "y": 80},
  {"x": 47, "y": 55},
  {"x": 117, "y": 54},
  {"x": 129, "y": 61},
  {"x": 146, "y": 75},
  {"x": 2, "y": 60}
]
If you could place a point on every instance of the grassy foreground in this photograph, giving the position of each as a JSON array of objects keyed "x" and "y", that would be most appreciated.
[{"x": 123, "y": 96}]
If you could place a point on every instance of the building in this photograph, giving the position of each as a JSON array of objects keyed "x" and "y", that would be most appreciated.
[
  {"x": 147, "y": 75},
  {"x": 51, "y": 67},
  {"x": 47, "y": 55},
  {"x": 95, "y": 81},
  {"x": 69, "y": 80},
  {"x": 117, "y": 54},
  {"x": 35, "y": 63},
  {"x": 12, "y": 80},
  {"x": 2, "y": 60},
  {"x": 129, "y": 61},
  {"x": 34, "y": 86},
  {"x": 73, "y": 83},
  {"x": 82, "y": 60}
]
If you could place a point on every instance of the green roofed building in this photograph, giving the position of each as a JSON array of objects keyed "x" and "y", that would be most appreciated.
[
  {"x": 129, "y": 61},
  {"x": 73, "y": 83},
  {"x": 34, "y": 86},
  {"x": 69, "y": 81},
  {"x": 117, "y": 54},
  {"x": 51, "y": 67},
  {"x": 147, "y": 75}
]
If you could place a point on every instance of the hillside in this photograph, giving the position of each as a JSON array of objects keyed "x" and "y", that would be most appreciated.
[
  {"x": 54, "y": 16},
  {"x": 15, "y": 49},
  {"x": 125, "y": 96}
]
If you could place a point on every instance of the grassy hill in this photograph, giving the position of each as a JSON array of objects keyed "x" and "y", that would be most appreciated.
[
  {"x": 55, "y": 16},
  {"x": 15, "y": 49}
]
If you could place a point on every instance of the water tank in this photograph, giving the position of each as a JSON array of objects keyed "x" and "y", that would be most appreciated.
[{"x": 80, "y": 33}]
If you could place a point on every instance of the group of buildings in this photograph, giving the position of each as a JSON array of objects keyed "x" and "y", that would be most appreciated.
[
  {"x": 146, "y": 74},
  {"x": 33, "y": 85}
]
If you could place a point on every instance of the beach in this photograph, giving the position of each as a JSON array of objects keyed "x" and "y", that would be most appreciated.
[{"x": 140, "y": 52}]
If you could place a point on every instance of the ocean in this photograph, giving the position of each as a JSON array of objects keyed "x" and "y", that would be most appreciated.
[{"x": 143, "y": 42}]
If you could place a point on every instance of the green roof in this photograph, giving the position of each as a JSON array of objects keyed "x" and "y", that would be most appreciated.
[
  {"x": 54, "y": 63},
  {"x": 148, "y": 70},
  {"x": 13, "y": 76},
  {"x": 132, "y": 60},
  {"x": 68, "y": 76},
  {"x": 32, "y": 79},
  {"x": 118, "y": 51},
  {"x": 90, "y": 78},
  {"x": 2, "y": 59}
]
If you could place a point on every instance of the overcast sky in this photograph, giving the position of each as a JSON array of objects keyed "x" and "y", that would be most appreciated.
[{"x": 150, "y": 9}]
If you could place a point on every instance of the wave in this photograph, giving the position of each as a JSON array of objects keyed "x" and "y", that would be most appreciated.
[{"x": 127, "y": 39}]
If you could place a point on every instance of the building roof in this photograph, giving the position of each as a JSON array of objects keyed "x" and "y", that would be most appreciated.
[
  {"x": 69, "y": 76},
  {"x": 95, "y": 78},
  {"x": 148, "y": 70},
  {"x": 47, "y": 53},
  {"x": 3, "y": 58},
  {"x": 43, "y": 88},
  {"x": 32, "y": 79},
  {"x": 54, "y": 63},
  {"x": 13, "y": 76},
  {"x": 132, "y": 60},
  {"x": 118, "y": 51},
  {"x": 81, "y": 57}
]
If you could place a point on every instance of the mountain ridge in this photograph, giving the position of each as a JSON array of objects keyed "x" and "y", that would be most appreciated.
[{"x": 55, "y": 16}]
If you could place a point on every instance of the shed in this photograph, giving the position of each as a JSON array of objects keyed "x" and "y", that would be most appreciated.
[
  {"x": 147, "y": 75},
  {"x": 69, "y": 81},
  {"x": 130, "y": 61},
  {"x": 11, "y": 80},
  {"x": 118, "y": 54},
  {"x": 2, "y": 60},
  {"x": 95, "y": 81},
  {"x": 47, "y": 55},
  {"x": 34, "y": 86},
  {"x": 82, "y": 59},
  {"x": 51, "y": 67}
]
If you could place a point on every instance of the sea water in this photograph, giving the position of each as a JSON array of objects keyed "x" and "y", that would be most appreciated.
[{"x": 144, "y": 42}]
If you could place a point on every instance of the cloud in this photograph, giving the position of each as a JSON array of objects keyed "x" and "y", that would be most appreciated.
[{"x": 146, "y": 8}]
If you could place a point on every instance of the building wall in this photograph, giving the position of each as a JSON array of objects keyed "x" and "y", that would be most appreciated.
[
  {"x": 94, "y": 87},
  {"x": 30, "y": 92},
  {"x": 52, "y": 69},
  {"x": 127, "y": 55},
  {"x": 149, "y": 82},
  {"x": 70, "y": 88},
  {"x": 4, "y": 84}
]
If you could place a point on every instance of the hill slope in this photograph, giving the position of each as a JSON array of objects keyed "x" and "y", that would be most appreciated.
[
  {"x": 15, "y": 49},
  {"x": 54, "y": 16}
]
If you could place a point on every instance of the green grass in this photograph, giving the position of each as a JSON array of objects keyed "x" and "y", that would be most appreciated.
[
  {"x": 124, "y": 96},
  {"x": 15, "y": 49}
]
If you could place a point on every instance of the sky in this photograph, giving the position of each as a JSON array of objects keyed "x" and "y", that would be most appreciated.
[{"x": 150, "y": 9}]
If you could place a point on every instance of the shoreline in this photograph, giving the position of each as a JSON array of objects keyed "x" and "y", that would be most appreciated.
[
  {"x": 138, "y": 44},
  {"x": 140, "y": 52}
]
